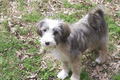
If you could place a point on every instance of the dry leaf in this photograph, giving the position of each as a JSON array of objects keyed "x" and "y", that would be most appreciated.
[
  {"x": 34, "y": 76},
  {"x": 21, "y": 56},
  {"x": 31, "y": 42},
  {"x": 54, "y": 65},
  {"x": 43, "y": 65},
  {"x": 18, "y": 54},
  {"x": 24, "y": 57},
  {"x": 105, "y": 74},
  {"x": 104, "y": 66}
]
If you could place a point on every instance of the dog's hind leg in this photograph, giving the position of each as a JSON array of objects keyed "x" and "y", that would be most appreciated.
[
  {"x": 102, "y": 57},
  {"x": 65, "y": 70}
]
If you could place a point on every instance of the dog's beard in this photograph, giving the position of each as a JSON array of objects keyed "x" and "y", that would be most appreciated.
[{"x": 48, "y": 41}]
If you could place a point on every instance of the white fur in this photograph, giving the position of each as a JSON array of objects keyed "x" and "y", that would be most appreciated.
[
  {"x": 98, "y": 60},
  {"x": 63, "y": 74},
  {"x": 52, "y": 23},
  {"x": 73, "y": 78},
  {"x": 48, "y": 35},
  {"x": 55, "y": 49},
  {"x": 59, "y": 55}
]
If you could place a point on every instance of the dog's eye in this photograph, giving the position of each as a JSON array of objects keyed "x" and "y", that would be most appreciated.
[
  {"x": 55, "y": 33},
  {"x": 44, "y": 30}
]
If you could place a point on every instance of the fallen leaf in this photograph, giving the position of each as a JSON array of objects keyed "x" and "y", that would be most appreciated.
[
  {"x": 54, "y": 65},
  {"x": 31, "y": 42},
  {"x": 116, "y": 57},
  {"x": 24, "y": 57},
  {"x": 104, "y": 66},
  {"x": 18, "y": 54},
  {"x": 105, "y": 74},
  {"x": 43, "y": 65},
  {"x": 34, "y": 76},
  {"x": 94, "y": 73},
  {"x": 21, "y": 56},
  {"x": 99, "y": 68}
]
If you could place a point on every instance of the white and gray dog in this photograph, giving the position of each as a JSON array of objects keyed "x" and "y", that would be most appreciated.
[{"x": 68, "y": 42}]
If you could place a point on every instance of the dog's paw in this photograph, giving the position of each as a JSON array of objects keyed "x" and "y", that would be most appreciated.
[
  {"x": 72, "y": 78},
  {"x": 100, "y": 60},
  {"x": 63, "y": 74}
]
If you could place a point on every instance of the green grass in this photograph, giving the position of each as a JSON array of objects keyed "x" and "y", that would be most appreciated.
[
  {"x": 32, "y": 17},
  {"x": 109, "y": 0},
  {"x": 84, "y": 75},
  {"x": 117, "y": 76},
  {"x": 78, "y": 6},
  {"x": 21, "y": 4},
  {"x": 111, "y": 47},
  {"x": 9, "y": 63}
]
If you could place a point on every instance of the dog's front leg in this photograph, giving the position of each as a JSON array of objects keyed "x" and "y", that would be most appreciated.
[
  {"x": 65, "y": 70},
  {"x": 76, "y": 68}
]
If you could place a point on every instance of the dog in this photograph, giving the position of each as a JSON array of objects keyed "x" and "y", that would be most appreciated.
[{"x": 67, "y": 42}]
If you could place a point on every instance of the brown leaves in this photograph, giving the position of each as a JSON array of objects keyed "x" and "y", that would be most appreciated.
[
  {"x": 104, "y": 71},
  {"x": 32, "y": 77},
  {"x": 21, "y": 56}
]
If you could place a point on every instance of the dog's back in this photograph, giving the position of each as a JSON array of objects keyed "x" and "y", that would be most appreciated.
[{"x": 90, "y": 31}]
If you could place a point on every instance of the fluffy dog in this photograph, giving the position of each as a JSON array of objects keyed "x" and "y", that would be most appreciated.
[{"x": 67, "y": 42}]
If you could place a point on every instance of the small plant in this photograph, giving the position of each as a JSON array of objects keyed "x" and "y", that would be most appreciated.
[
  {"x": 32, "y": 17},
  {"x": 109, "y": 0},
  {"x": 67, "y": 4},
  {"x": 21, "y": 4},
  {"x": 117, "y": 76},
  {"x": 111, "y": 47},
  {"x": 84, "y": 75}
]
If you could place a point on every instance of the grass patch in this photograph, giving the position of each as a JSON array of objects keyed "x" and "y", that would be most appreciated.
[
  {"x": 109, "y": 0},
  {"x": 21, "y": 2},
  {"x": 78, "y": 6},
  {"x": 84, "y": 75},
  {"x": 9, "y": 63},
  {"x": 117, "y": 76},
  {"x": 4, "y": 6},
  {"x": 111, "y": 47},
  {"x": 32, "y": 17},
  {"x": 23, "y": 31},
  {"x": 69, "y": 18},
  {"x": 114, "y": 29}
]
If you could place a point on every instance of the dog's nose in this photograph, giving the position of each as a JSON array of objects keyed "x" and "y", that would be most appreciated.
[{"x": 47, "y": 43}]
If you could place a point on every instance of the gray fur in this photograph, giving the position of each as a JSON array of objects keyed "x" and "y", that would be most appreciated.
[
  {"x": 88, "y": 32},
  {"x": 68, "y": 42},
  {"x": 91, "y": 31}
]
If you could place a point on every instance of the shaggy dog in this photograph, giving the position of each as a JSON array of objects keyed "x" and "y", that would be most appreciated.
[{"x": 67, "y": 42}]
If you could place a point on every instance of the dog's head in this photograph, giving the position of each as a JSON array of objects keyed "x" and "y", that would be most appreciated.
[{"x": 53, "y": 32}]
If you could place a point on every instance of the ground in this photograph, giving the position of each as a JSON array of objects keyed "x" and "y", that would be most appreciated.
[{"x": 20, "y": 56}]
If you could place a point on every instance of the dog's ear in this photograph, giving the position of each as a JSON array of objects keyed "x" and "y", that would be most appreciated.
[
  {"x": 65, "y": 30},
  {"x": 38, "y": 26}
]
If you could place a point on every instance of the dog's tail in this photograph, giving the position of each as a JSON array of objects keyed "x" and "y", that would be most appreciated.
[
  {"x": 98, "y": 11},
  {"x": 96, "y": 19}
]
